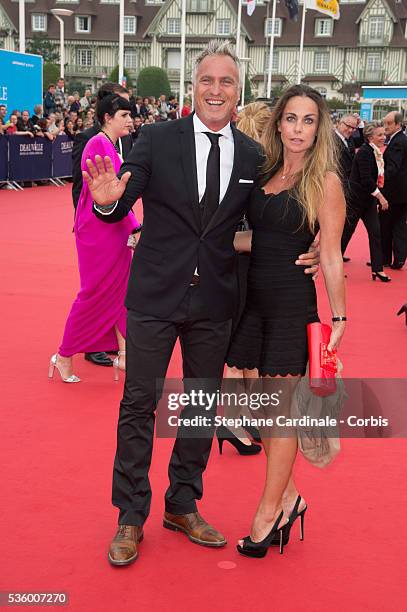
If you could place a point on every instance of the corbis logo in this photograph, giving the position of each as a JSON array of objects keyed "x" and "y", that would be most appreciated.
[{"x": 35, "y": 148}]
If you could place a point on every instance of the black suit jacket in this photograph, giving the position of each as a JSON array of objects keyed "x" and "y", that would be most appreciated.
[
  {"x": 173, "y": 243},
  {"x": 395, "y": 170},
  {"x": 363, "y": 177},
  {"x": 81, "y": 138},
  {"x": 346, "y": 155}
]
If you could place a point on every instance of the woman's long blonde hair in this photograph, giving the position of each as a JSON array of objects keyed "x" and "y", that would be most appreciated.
[
  {"x": 320, "y": 159},
  {"x": 253, "y": 119}
]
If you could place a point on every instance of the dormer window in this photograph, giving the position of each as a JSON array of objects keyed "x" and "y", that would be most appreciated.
[
  {"x": 39, "y": 23},
  {"x": 129, "y": 24},
  {"x": 82, "y": 24}
]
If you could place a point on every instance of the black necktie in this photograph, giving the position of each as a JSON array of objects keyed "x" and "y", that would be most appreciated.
[{"x": 210, "y": 201}]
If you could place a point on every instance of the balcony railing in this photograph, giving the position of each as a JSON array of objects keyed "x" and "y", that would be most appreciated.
[
  {"x": 366, "y": 40},
  {"x": 173, "y": 73},
  {"x": 91, "y": 71},
  {"x": 197, "y": 6},
  {"x": 370, "y": 76}
]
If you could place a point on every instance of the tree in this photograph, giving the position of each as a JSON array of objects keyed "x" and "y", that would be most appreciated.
[
  {"x": 114, "y": 76},
  {"x": 248, "y": 95},
  {"x": 153, "y": 81},
  {"x": 40, "y": 45},
  {"x": 50, "y": 74}
]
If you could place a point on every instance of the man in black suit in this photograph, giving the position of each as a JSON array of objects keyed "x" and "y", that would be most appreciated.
[
  {"x": 346, "y": 149},
  {"x": 196, "y": 176},
  {"x": 393, "y": 222},
  {"x": 124, "y": 146}
]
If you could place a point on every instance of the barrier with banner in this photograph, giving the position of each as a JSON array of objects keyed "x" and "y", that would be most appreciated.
[
  {"x": 33, "y": 159},
  {"x": 30, "y": 159},
  {"x": 3, "y": 158},
  {"x": 62, "y": 157}
]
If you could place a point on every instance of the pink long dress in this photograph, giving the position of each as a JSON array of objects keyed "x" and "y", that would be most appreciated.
[{"x": 104, "y": 265}]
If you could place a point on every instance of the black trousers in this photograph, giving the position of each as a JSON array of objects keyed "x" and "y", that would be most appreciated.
[
  {"x": 149, "y": 345},
  {"x": 394, "y": 233},
  {"x": 367, "y": 212}
]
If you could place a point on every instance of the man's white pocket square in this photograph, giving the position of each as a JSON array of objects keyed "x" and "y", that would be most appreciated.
[{"x": 246, "y": 181}]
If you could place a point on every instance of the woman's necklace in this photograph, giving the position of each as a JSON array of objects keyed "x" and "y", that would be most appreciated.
[
  {"x": 287, "y": 176},
  {"x": 108, "y": 137}
]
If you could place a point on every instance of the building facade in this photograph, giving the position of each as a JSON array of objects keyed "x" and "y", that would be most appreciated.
[{"x": 366, "y": 46}]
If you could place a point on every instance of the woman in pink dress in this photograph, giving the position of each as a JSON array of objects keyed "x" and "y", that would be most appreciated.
[{"x": 97, "y": 320}]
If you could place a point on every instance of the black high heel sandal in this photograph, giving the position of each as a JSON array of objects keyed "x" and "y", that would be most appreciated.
[
  {"x": 260, "y": 549},
  {"x": 403, "y": 309},
  {"x": 292, "y": 518},
  {"x": 224, "y": 434},
  {"x": 383, "y": 277}
]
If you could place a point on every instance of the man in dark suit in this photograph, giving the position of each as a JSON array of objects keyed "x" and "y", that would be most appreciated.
[
  {"x": 196, "y": 176},
  {"x": 346, "y": 149},
  {"x": 393, "y": 222},
  {"x": 124, "y": 146}
]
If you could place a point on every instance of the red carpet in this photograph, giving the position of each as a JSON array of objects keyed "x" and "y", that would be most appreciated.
[{"x": 57, "y": 445}]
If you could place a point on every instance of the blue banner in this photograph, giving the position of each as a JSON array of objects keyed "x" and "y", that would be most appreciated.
[
  {"x": 3, "y": 158},
  {"x": 30, "y": 159},
  {"x": 20, "y": 81},
  {"x": 62, "y": 157},
  {"x": 366, "y": 111}
]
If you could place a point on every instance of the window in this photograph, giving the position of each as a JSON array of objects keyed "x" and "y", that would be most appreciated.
[
  {"x": 82, "y": 24},
  {"x": 174, "y": 25},
  {"x": 322, "y": 90},
  {"x": 323, "y": 27},
  {"x": 129, "y": 25},
  {"x": 110, "y": 1},
  {"x": 376, "y": 28},
  {"x": 321, "y": 62},
  {"x": 275, "y": 63},
  {"x": 84, "y": 57},
  {"x": 373, "y": 62},
  {"x": 67, "y": 1},
  {"x": 223, "y": 26},
  {"x": 173, "y": 59},
  {"x": 277, "y": 26},
  {"x": 39, "y": 23},
  {"x": 130, "y": 59},
  {"x": 199, "y": 6},
  {"x": 155, "y": 1}
]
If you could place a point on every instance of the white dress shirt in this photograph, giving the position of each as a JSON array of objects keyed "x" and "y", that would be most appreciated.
[
  {"x": 202, "y": 148},
  {"x": 345, "y": 142}
]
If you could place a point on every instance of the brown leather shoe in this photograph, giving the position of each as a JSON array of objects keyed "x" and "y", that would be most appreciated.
[
  {"x": 195, "y": 527},
  {"x": 123, "y": 548}
]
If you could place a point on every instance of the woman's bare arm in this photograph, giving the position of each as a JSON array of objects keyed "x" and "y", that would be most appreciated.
[
  {"x": 331, "y": 218},
  {"x": 243, "y": 241}
]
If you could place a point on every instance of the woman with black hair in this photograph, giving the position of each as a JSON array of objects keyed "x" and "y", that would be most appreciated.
[{"x": 97, "y": 320}]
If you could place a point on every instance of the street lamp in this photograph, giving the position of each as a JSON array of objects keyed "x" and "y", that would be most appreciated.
[
  {"x": 58, "y": 13},
  {"x": 21, "y": 24},
  {"x": 245, "y": 61}
]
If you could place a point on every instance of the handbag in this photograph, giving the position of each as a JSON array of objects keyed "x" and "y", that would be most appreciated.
[
  {"x": 319, "y": 445},
  {"x": 323, "y": 364}
]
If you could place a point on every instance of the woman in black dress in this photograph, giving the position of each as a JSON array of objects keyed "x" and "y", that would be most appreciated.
[
  {"x": 366, "y": 180},
  {"x": 301, "y": 194}
]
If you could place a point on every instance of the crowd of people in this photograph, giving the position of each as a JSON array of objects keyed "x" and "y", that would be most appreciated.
[
  {"x": 373, "y": 169},
  {"x": 70, "y": 114}
]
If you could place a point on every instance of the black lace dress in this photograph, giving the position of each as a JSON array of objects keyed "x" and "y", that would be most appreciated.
[{"x": 281, "y": 299}]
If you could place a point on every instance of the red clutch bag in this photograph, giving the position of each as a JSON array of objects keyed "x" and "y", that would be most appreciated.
[{"x": 322, "y": 363}]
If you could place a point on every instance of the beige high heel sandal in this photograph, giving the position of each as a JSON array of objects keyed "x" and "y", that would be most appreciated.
[
  {"x": 53, "y": 364},
  {"x": 116, "y": 367}
]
